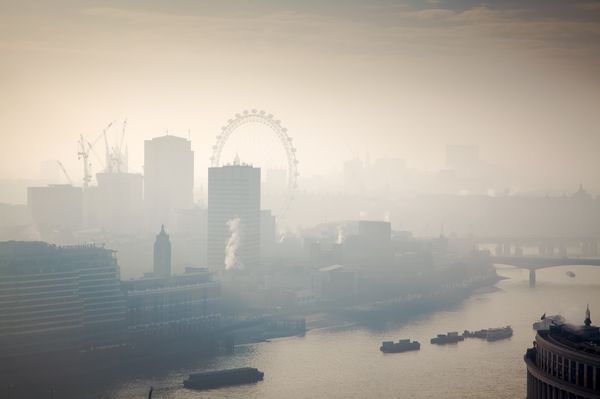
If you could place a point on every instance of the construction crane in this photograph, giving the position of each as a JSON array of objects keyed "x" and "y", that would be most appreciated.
[
  {"x": 62, "y": 167},
  {"x": 83, "y": 153},
  {"x": 118, "y": 156}
]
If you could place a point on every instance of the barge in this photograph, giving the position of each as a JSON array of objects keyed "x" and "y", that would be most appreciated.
[
  {"x": 221, "y": 378},
  {"x": 403, "y": 345}
]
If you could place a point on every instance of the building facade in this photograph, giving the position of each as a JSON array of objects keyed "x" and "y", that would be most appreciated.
[
  {"x": 565, "y": 363},
  {"x": 180, "y": 305},
  {"x": 233, "y": 195},
  {"x": 168, "y": 179},
  {"x": 58, "y": 299}
]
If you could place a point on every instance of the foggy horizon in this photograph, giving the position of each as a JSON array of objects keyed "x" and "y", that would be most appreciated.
[
  {"x": 302, "y": 199},
  {"x": 377, "y": 79}
]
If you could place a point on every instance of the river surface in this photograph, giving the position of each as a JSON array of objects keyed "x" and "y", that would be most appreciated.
[{"x": 345, "y": 362}]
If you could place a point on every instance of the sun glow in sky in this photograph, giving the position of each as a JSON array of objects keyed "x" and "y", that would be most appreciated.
[{"x": 383, "y": 78}]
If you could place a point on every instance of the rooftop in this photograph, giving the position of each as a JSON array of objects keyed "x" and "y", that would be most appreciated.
[{"x": 580, "y": 338}]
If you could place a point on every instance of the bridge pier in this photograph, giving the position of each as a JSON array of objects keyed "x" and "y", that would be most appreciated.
[{"x": 532, "y": 278}]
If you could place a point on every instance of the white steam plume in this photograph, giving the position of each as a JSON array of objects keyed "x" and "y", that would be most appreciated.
[
  {"x": 233, "y": 243},
  {"x": 340, "y": 235}
]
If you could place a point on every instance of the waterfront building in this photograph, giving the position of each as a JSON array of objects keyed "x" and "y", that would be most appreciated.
[
  {"x": 172, "y": 306},
  {"x": 234, "y": 212},
  {"x": 336, "y": 283},
  {"x": 565, "y": 362},
  {"x": 371, "y": 247},
  {"x": 162, "y": 254},
  {"x": 58, "y": 299},
  {"x": 168, "y": 179}
]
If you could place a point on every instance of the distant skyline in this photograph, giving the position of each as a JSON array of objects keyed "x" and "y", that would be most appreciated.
[{"x": 389, "y": 78}]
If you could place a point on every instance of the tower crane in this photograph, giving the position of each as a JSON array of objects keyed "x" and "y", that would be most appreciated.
[
  {"x": 83, "y": 153},
  {"x": 62, "y": 167}
]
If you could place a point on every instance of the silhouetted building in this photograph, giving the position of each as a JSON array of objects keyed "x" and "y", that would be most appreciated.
[
  {"x": 336, "y": 283},
  {"x": 565, "y": 362},
  {"x": 162, "y": 254},
  {"x": 56, "y": 209},
  {"x": 375, "y": 233},
  {"x": 119, "y": 201},
  {"x": 234, "y": 212},
  {"x": 168, "y": 179},
  {"x": 370, "y": 247},
  {"x": 57, "y": 300},
  {"x": 159, "y": 307}
]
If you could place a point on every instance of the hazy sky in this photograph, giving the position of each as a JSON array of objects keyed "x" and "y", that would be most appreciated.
[{"x": 388, "y": 78}]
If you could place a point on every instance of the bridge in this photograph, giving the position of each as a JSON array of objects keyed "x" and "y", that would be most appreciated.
[
  {"x": 547, "y": 246},
  {"x": 533, "y": 263}
]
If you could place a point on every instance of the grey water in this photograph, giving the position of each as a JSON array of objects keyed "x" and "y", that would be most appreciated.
[{"x": 345, "y": 362}]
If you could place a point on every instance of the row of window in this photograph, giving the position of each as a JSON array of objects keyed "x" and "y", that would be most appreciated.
[{"x": 569, "y": 370}]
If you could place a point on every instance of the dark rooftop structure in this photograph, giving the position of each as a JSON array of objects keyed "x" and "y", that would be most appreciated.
[{"x": 565, "y": 362}]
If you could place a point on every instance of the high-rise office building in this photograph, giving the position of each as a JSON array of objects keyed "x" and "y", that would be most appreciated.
[
  {"x": 162, "y": 254},
  {"x": 168, "y": 179},
  {"x": 233, "y": 216}
]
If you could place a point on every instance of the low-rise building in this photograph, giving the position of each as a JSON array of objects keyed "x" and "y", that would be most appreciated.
[{"x": 172, "y": 306}]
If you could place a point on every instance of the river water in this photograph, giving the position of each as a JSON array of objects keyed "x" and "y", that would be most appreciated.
[{"x": 345, "y": 362}]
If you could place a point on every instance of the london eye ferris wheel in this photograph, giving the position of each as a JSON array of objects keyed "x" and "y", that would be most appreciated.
[{"x": 261, "y": 137}]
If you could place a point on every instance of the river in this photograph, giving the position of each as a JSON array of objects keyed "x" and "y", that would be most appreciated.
[{"x": 345, "y": 362}]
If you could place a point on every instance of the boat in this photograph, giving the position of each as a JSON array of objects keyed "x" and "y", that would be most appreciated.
[
  {"x": 221, "y": 378},
  {"x": 548, "y": 321},
  {"x": 450, "y": 338},
  {"x": 496, "y": 334},
  {"x": 570, "y": 274},
  {"x": 475, "y": 334},
  {"x": 402, "y": 345}
]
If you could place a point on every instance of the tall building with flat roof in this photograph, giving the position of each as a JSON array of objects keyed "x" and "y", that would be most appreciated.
[
  {"x": 168, "y": 179},
  {"x": 233, "y": 216}
]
